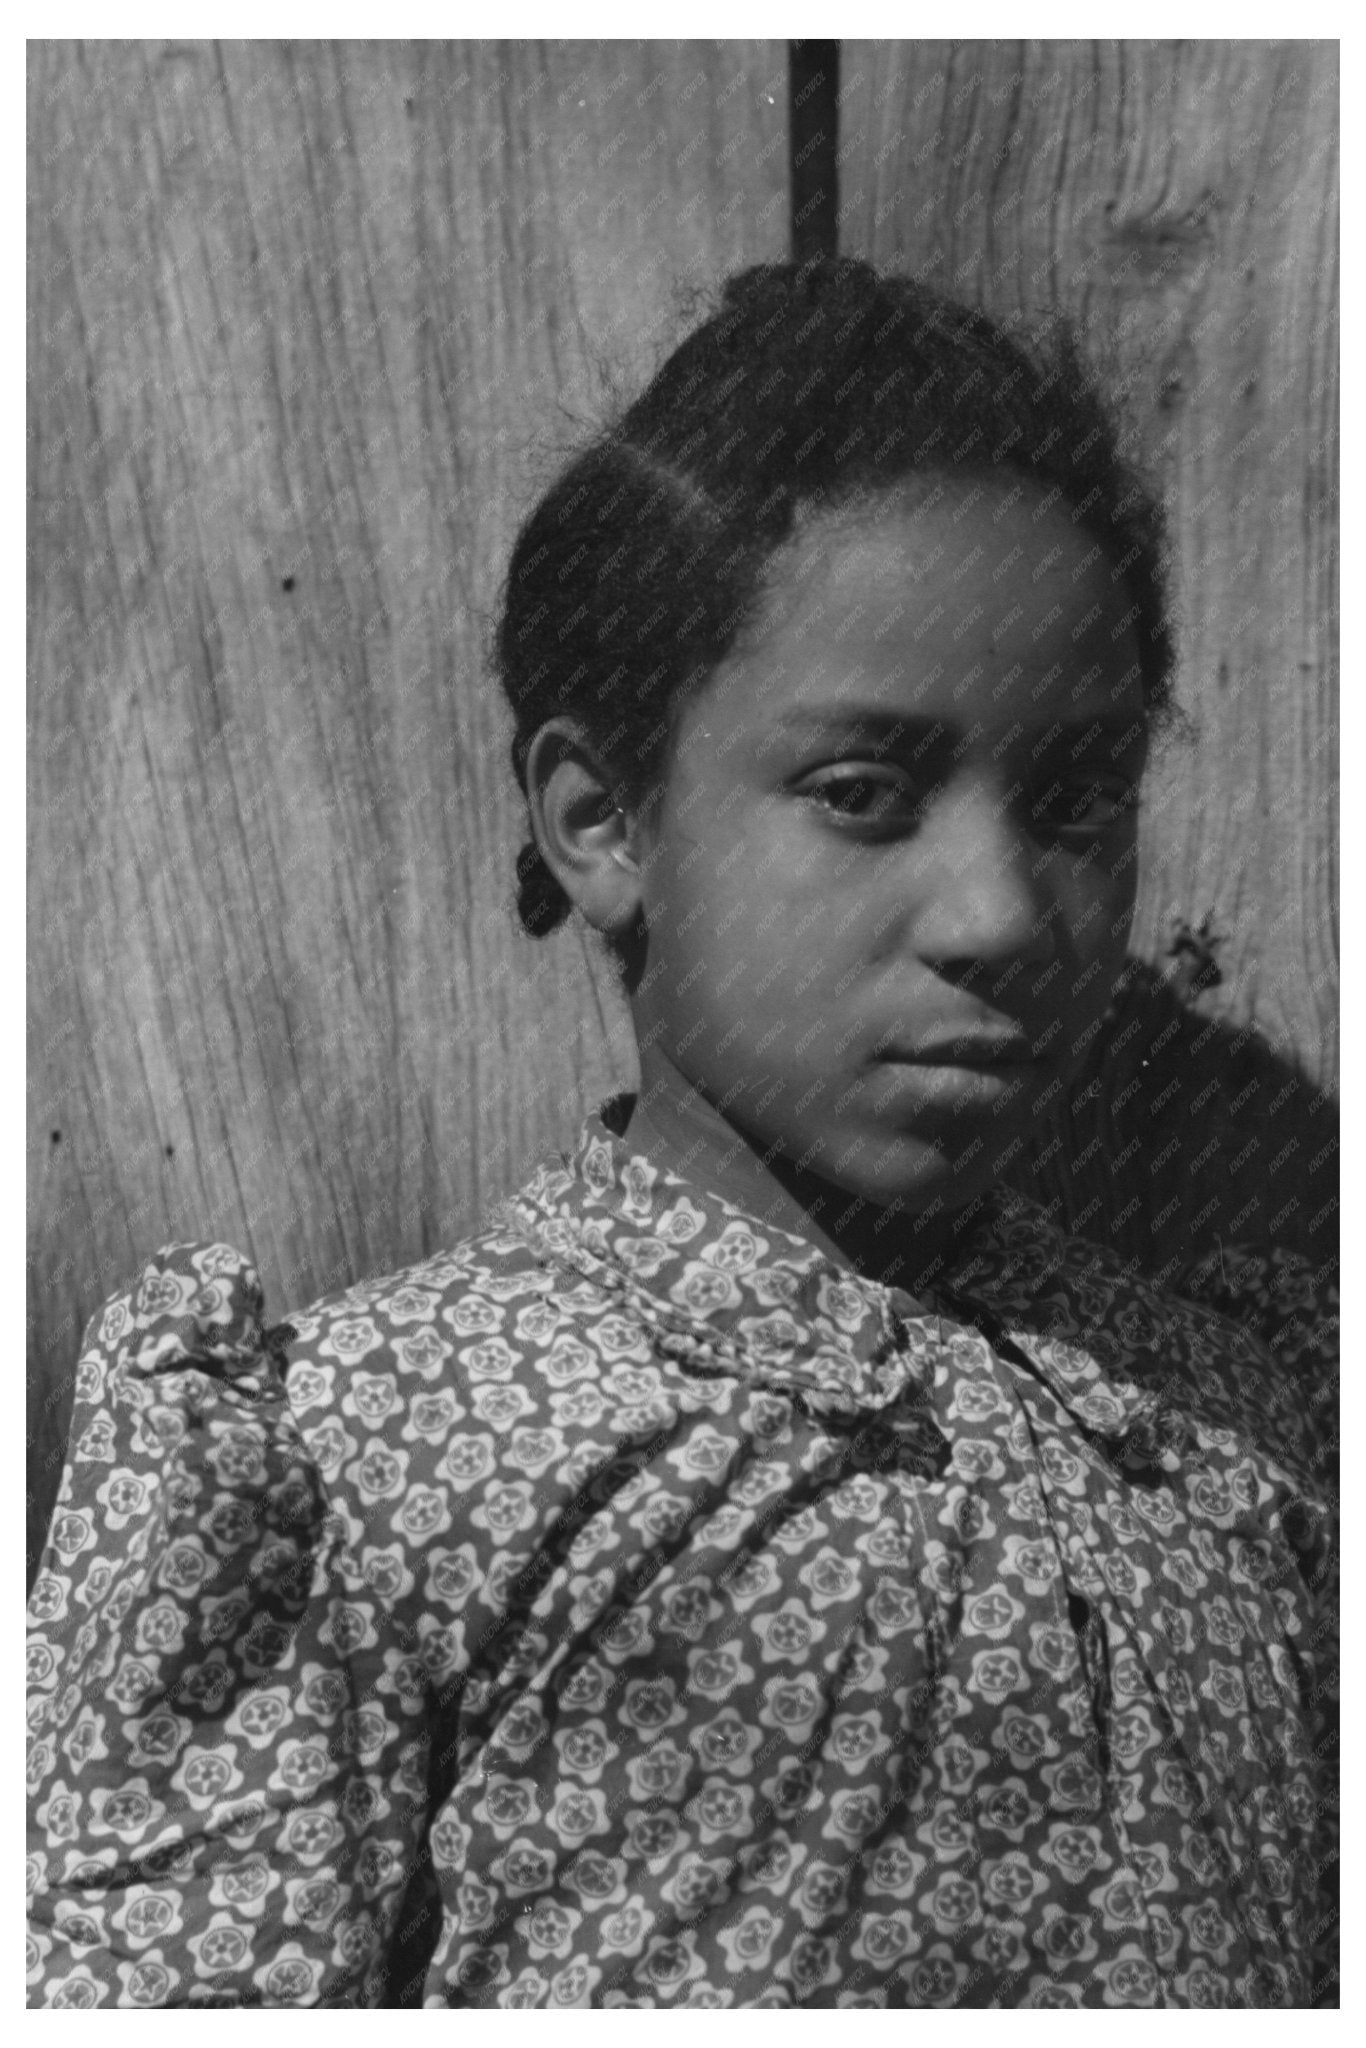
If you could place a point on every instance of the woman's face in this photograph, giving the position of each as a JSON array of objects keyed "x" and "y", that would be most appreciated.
[{"x": 889, "y": 883}]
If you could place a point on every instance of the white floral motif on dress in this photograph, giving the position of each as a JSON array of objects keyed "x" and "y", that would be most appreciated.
[{"x": 599, "y": 1523}]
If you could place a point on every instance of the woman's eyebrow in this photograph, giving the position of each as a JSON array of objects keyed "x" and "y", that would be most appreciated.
[
  {"x": 873, "y": 721},
  {"x": 876, "y": 723}
]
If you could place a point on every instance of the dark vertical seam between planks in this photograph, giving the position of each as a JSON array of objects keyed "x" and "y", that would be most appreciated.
[{"x": 813, "y": 77}]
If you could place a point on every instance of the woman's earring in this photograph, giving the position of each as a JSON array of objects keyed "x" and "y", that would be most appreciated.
[{"x": 619, "y": 853}]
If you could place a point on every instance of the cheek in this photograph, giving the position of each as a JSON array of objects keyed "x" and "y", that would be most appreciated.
[
  {"x": 1101, "y": 909},
  {"x": 742, "y": 882},
  {"x": 1120, "y": 886}
]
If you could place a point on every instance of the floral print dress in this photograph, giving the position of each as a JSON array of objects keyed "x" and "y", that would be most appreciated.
[{"x": 633, "y": 1608}]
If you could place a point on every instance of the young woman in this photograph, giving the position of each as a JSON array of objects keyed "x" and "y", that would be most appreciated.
[{"x": 770, "y": 1564}]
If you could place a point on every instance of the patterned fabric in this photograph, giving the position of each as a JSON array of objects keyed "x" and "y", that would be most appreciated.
[{"x": 632, "y": 1608}]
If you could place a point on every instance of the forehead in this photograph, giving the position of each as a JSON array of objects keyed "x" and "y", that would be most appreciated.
[{"x": 960, "y": 602}]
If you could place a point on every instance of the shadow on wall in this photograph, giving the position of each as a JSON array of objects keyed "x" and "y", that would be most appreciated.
[{"x": 1186, "y": 1134}]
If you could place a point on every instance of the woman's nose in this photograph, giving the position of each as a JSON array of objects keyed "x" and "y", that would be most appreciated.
[{"x": 984, "y": 899}]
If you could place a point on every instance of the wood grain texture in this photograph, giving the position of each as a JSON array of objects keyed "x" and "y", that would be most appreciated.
[
  {"x": 310, "y": 325},
  {"x": 1177, "y": 202}
]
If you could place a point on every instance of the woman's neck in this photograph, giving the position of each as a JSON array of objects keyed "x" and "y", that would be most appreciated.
[{"x": 680, "y": 1131}]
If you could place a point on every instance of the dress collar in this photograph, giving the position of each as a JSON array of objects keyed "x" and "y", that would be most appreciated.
[
  {"x": 726, "y": 1292},
  {"x": 727, "y": 1295}
]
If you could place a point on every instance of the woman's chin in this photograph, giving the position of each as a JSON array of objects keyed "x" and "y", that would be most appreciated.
[{"x": 909, "y": 1173}]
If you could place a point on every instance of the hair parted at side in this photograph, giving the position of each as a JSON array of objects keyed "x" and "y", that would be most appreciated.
[{"x": 811, "y": 384}]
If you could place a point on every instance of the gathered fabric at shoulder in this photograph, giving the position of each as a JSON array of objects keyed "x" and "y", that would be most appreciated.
[
  {"x": 630, "y": 1606},
  {"x": 1293, "y": 1307},
  {"x": 195, "y": 1735}
]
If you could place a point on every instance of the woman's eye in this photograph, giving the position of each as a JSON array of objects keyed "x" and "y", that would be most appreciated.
[
  {"x": 1084, "y": 803},
  {"x": 871, "y": 797}
]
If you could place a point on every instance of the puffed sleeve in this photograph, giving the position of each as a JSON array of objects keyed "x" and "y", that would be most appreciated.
[
  {"x": 1294, "y": 1310},
  {"x": 218, "y": 1814}
]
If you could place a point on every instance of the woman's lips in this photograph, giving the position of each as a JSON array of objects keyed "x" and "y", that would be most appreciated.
[
  {"x": 958, "y": 1080},
  {"x": 967, "y": 1051}
]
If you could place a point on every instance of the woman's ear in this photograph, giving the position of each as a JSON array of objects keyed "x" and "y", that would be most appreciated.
[{"x": 588, "y": 840}]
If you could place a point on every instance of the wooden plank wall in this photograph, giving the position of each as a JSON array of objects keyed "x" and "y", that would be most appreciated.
[
  {"x": 1177, "y": 202},
  {"x": 309, "y": 326},
  {"x": 310, "y": 323}
]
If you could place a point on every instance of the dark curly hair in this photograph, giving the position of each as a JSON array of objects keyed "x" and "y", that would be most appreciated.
[{"x": 811, "y": 384}]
